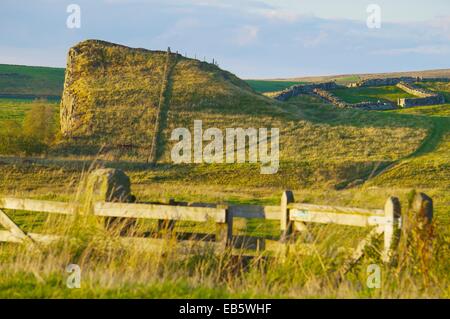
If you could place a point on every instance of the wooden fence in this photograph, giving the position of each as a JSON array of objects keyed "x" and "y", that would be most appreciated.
[{"x": 293, "y": 218}]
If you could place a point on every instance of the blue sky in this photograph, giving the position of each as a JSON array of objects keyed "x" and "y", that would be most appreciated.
[{"x": 251, "y": 38}]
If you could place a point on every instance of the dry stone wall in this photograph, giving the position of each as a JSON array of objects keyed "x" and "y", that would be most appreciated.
[
  {"x": 425, "y": 97},
  {"x": 333, "y": 99},
  {"x": 431, "y": 100},
  {"x": 304, "y": 89},
  {"x": 415, "y": 90},
  {"x": 383, "y": 82}
]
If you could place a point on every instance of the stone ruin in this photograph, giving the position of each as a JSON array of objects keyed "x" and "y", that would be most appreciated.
[
  {"x": 333, "y": 99},
  {"x": 296, "y": 90},
  {"x": 383, "y": 81},
  {"x": 394, "y": 81},
  {"x": 425, "y": 97},
  {"x": 322, "y": 90}
]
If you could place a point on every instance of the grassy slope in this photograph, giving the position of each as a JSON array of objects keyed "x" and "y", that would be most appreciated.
[
  {"x": 321, "y": 148},
  {"x": 129, "y": 80},
  {"x": 30, "y": 81}
]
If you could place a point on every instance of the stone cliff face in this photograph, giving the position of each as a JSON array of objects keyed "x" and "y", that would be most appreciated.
[
  {"x": 109, "y": 91},
  {"x": 68, "y": 114}
]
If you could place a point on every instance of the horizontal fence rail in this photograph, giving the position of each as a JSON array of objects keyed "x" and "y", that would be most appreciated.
[
  {"x": 293, "y": 218},
  {"x": 165, "y": 212}
]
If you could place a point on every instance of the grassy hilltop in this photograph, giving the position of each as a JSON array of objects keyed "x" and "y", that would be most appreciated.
[
  {"x": 112, "y": 92},
  {"x": 349, "y": 157}
]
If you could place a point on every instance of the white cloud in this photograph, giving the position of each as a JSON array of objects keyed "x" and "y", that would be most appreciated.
[
  {"x": 247, "y": 35},
  {"x": 315, "y": 40},
  {"x": 279, "y": 14}
]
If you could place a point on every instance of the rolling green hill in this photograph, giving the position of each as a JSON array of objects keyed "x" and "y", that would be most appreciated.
[
  {"x": 263, "y": 86},
  {"x": 20, "y": 81}
]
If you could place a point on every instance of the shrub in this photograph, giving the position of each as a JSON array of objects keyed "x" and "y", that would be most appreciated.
[
  {"x": 35, "y": 135},
  {"x": 39, "y": 122}
]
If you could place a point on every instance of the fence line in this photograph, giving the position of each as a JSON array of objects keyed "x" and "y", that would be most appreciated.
[{"x": 293, "y": 218}]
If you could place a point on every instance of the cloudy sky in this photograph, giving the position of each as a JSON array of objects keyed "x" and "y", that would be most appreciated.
[{"x": 252, "y": 38}]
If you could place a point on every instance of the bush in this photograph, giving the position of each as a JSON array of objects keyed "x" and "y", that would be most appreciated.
[
  {"x": 39, "y": 122},
  {"x": 35, "y": 135}
]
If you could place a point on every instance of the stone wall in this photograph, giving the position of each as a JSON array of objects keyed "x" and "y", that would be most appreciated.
[
  {"x": 435, "y": 80},
  {"x": 383, "y": 82},
  {"x": 415, "y": 90},
  {"x": 333, "y": 99},
  {"x": 425, "y": 97},
  {"x": 395, "y": 81},
  {"x": 431, "y": 100},
  {"x": 304, "y": 89}
]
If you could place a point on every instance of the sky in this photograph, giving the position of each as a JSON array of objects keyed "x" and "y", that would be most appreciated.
[{"x": 251, "y": 38}]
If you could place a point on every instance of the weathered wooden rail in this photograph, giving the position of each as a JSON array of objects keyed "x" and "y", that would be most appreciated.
[{"x": 293, "y": 218}]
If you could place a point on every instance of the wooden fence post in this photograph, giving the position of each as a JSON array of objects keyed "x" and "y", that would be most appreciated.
[
  {"x": 167, "y": 226},
  {"x": 423, "y": 205},
  {"x": 285, "y": 223},
  {"x": 224, "y": 231},
  {"x": 392, "y": 215}
]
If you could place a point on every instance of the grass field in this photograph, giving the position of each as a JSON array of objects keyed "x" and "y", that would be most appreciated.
[
  {"x": 263, "y": 86},
  {"x": 373, "y": 94},
  {"x": 15, "y": 109},
  {"x": 30, "y": 81},
  {"x": 328, "y": 156}
]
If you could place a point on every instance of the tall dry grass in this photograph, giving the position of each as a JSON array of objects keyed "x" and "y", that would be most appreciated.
[{"x": 112, "y": 268}]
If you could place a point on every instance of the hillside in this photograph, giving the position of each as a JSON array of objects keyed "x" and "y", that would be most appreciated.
[
  {"x": 112, "y": 98},
  {"x": 113, "y": 94},
  {"x": 20, "y": 81}
]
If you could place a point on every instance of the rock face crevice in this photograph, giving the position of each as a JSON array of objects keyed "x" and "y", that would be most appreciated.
[{"x": 68, "y": 114}]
